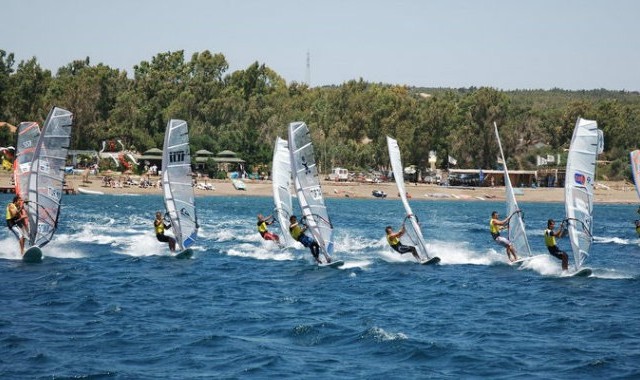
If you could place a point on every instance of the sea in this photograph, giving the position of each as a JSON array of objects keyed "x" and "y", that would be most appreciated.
[{"x": 108, "y": 301}]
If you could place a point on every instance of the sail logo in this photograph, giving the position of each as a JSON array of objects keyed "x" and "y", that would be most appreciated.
[
  {"x": 580, "y": 178},
  {"x": 177, "y": 156},
  {"x": 184, "y": 212},
  {"x": 304, "y": 163},
  {"x": 316, "y": 193},
  {"x": 44, "y": 166},
  {"x": 54, "y": 193},
  {"x": 27, "y": 144}
]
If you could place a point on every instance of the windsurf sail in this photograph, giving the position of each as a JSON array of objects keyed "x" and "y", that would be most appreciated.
[
  {"x": 517, "y": 233},
  {"x": 635, "y": 169},
  {"x": 412, "y": 228},
  {"x": 28, "y": 135},
  {"x": 307, "y": 185},
  {"x": 177, "y": 184},
  {"x": 46, "y": 176},
  {"x": 281, "y": 175},
  {"x": 586, "y": 143}
]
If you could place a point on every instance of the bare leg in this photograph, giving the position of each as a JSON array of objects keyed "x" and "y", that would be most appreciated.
[
  {"x": 22, "y": 246},
  {"x": 511, "y": 253}
]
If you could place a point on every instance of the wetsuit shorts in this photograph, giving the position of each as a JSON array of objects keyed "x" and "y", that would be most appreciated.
[
  {"x": 556, "y": 252},
  {"x": 401, "y": 248},
  {"x": 163, "y": 238},
  {"x": 503, "y": 241},
  {"x": 15, "y": 228},
  {"x": 306, "y": 240}
]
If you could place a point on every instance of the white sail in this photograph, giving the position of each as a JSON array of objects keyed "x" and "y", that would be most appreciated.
[
  {"x": 517, "y": 233},
  {"x": 307, "y": 185},
  {"x": 586, "y": 143},
  {"x": 177, "y": 184},
  {"x": 28, "y": 135},
  {"x": 413, "y": 231},
  {"x": 46, "y": 177},
  {"x": 635, "y": 169},
  {"x": 281, "y": 175}
]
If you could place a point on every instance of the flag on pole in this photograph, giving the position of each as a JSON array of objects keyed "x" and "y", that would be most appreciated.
[{"x": 452, "y": 161}]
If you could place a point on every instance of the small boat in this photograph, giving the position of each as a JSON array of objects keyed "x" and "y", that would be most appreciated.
[
  {"x": 239, "y": 185},
  {"x": 379, "y": 194},
  {"x": 89, "y": 192}
]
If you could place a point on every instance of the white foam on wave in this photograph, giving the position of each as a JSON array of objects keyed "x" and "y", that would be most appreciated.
[
  {"x": 267, "y": 251},
  {"x": 10, "y": 248},
  {"x": 381, "y": 335},
  {"x": 452, "y": 253},
  {"x": 545, "y": 265},
  {"x": 141, "y": 245},
  {"x": 615, "y": 240}
]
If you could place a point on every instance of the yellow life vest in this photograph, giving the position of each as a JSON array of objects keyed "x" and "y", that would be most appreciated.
[
  {"x": 262, "y": 227},
  {"x": 159, "y": 227},
  {"x": 494, "y": 228},
  {"x": 296, "y": 231},
  {"x": 9, "y": 215},
  {"x": 549, "y": 239},
  {"x": 393, "y": 240}
]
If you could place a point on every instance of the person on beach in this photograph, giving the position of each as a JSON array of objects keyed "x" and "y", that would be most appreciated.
[
  {"x": 495, "y": 225},
  {"x": 550, "y": 241},
  {"x": 262, "y": 228},
  {"x": 393, "y": 238},
  {"x": 160, "y": 225},
  {"x": 16, "y": 220},
  {"x": 298, "y": 233}
]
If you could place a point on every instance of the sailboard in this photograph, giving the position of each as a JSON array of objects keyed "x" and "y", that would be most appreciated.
[
  {"x": 635, "y": 169},
  {"x": 413, "y": 231},
  {"x": 45, "y": 179},
  {"x": 307, "y": 185},
  {"x": 282, "y": 200},
  {"x": 587, "y": 142},
  {"x": 517, "y": 232},
  {"x": 177, "y": 186}
]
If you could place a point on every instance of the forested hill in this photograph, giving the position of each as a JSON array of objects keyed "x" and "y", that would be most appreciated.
[{"x": 245, "y": 110}]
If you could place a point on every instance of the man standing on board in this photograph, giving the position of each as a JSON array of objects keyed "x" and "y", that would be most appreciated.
[
  {"x": 262, "y": 228},
  {"x": 393, "y": 238},
  {"x": 16, "y": 220},
  {"x": 160, "y": 226},
  {"x": 550, "y": 241},
  {"x": 297, "y": 233},
  {"x": 495, "y": 225}
]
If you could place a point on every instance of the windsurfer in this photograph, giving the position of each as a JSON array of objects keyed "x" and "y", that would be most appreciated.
[
  {"x": 495, "y": 225},
  {"x": 550, "y": 241},
  {"x": 637, "y": 222},
  {"x": 16, "y": 220},
  {"x": 160, "y": 225},
  {"x": 393, "y": 238},
  {"x": 297, "y": 233},
  {"x": 262, "y": 228}
]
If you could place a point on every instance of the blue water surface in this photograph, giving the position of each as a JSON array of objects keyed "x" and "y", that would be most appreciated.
[{"x": 108, "y": 301}]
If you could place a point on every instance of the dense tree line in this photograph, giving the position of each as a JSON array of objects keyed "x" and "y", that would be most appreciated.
[{"x": 245, "y": 110}]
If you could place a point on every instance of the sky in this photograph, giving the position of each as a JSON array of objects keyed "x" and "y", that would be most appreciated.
[{"x": 505, "y": 44}]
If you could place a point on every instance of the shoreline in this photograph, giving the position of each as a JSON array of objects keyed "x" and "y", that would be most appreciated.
[{"x": 606, "y": 192}]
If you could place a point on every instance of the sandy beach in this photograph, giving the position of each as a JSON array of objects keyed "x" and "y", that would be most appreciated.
[{"x": 606, "y": 192}]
